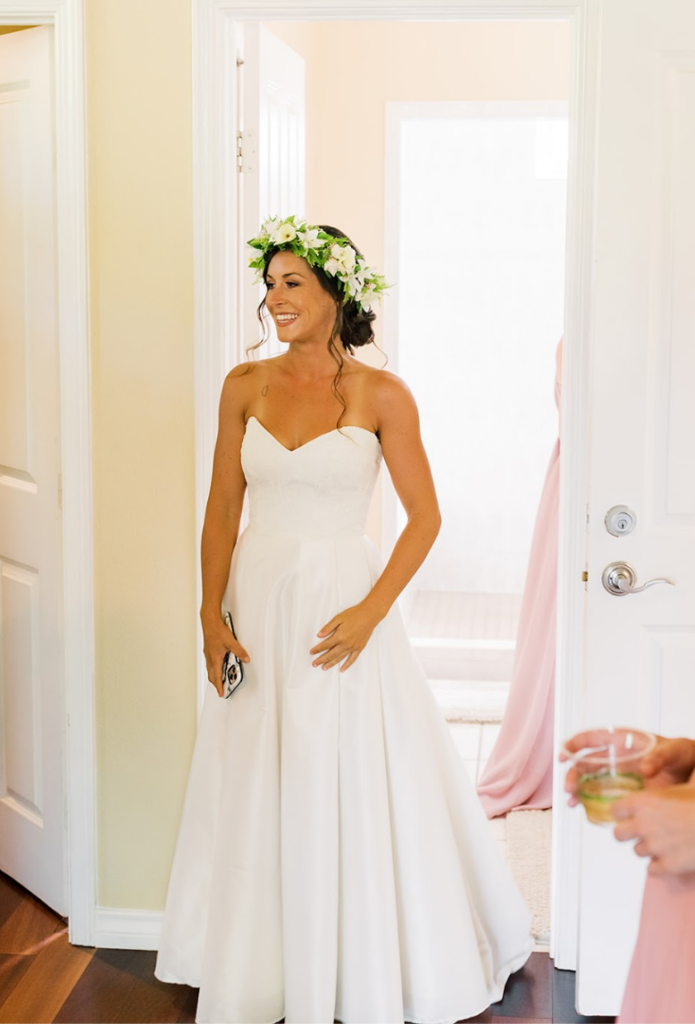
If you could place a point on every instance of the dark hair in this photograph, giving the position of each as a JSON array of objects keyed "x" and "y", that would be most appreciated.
[{"x": 352, "y": 325}]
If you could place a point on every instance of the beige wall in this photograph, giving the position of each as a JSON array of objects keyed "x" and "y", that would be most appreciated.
[{"x": 141, "y": 269}]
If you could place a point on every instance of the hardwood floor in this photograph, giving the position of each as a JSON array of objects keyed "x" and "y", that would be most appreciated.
[{"x": 43, "y": 979}]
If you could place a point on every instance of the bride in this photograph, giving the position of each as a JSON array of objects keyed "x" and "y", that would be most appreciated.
[{"x": 333, "y": 860}]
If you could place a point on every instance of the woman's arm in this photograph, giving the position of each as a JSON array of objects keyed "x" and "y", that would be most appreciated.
[
  {"x": 221, "y": 526},
  {"x": 405, "y": 457},
  {"x": 346, "y": 635}
]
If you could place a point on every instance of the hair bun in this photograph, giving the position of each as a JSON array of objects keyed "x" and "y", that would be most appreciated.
[{"x": 356, "y": 329}]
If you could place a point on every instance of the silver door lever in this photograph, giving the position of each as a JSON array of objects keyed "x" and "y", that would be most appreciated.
[{"x": 619, "y": 579}]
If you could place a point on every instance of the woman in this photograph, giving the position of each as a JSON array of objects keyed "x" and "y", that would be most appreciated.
[
  {"x": 661, "y": 818},
  {"x": 519, "y": 772},
  {"x": 332, "y": 861}
]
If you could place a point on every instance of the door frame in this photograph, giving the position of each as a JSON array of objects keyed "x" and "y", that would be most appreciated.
[
  {"x": 67, "y": 19},
  {"x": 217, "y": 250}
]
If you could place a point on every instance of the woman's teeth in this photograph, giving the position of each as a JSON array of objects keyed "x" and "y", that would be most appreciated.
[{"x": 286, "y": 319}]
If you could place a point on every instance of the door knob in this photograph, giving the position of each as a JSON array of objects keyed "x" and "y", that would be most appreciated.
[{"x": 619, "y": 579}]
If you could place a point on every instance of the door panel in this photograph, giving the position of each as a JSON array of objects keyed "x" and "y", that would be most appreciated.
[
  {"x": 273, "y": 151},
  {"x": 640, "y": 655},
  {"x": 31, "y": 657}
]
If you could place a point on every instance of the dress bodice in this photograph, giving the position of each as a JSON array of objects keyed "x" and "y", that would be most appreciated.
[{"x": 321, "y": 489}]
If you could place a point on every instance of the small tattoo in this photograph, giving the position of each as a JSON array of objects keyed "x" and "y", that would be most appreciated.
[{"x": 264, "y": 391}]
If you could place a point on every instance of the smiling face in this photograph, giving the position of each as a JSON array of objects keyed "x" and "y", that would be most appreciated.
[{"x": 301, "y": 308}]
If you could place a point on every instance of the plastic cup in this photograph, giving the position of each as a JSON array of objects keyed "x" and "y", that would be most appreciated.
[{"x": 609, "y": 769}]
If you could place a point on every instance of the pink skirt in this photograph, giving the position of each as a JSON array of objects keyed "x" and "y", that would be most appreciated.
[
  {"x": 661, "y": 983},
  {"x": 519, "y": 772}
]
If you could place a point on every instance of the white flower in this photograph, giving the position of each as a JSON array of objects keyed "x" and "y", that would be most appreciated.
[
  {"x": 333, "y": 267},
  {"x": 284, "y": 233},
  {"x": 368, "y": 297},
  {"x": 309, "y": 238},
  {"x": 268, "y": 227},
  {"x": 345, "y": 255},
  {"x": 354, "y": 286}
]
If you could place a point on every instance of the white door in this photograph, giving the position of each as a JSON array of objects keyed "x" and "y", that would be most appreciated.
[
  {"x": 273, "y": 148},
  {"x": 640, "y": 655},
  {"x": 32, "y": 808}
]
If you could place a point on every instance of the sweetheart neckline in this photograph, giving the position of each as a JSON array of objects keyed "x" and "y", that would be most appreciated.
[{"x": 326, "y": 433}]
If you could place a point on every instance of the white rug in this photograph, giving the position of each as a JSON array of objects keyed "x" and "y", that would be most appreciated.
[
  {"x": 484, "y": 716},
  {"x": 471, "y": 704},
  {"x": 528, "y": 842}
]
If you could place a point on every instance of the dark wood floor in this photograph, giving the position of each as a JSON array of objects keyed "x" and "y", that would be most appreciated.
[{"x": 43, "y": 979}]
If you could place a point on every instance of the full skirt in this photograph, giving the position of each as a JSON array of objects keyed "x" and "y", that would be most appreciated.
[{"x": 333, "y": 860}]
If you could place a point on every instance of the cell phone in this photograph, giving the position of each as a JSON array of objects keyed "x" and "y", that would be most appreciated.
[{"x": 232, "y": 669}]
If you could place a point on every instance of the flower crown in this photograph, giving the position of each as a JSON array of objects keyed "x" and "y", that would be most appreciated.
[{"x": 335, "y": 256}]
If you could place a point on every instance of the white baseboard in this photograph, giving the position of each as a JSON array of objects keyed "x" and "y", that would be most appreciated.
[{"x": 127, "y": 929}]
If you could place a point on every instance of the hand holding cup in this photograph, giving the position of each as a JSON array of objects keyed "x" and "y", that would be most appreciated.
[{"x": 606, "y": 764}]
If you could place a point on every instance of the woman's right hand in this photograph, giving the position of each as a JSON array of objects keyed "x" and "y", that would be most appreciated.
[
  {"x": 217, "y": 640},
  {"x": 672, "y": 761}
]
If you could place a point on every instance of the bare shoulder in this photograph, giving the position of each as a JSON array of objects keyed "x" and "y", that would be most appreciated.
[
  {"x": 243, "y": 380},
  {"x": 251, "y": 367},
  {"x": 389, "y": 396}
]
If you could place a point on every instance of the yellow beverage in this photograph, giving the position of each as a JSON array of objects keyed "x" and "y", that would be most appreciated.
[{"x": 598, "y": 791}]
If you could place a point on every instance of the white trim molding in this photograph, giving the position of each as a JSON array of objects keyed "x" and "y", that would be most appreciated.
[
  {"x": 217, "y": 345},
  {"x": 67, "y": 19},
  {"x": 574, "y": 432},
  {"x": 127, "y": 929}
]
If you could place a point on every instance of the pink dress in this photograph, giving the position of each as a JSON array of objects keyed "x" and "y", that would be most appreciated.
[
  {"x": 519, "y": 772},
  {"x": 661, "y": 983}
]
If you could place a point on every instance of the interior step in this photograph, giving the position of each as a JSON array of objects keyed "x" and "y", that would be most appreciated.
[{"x": 467, "y": 659}]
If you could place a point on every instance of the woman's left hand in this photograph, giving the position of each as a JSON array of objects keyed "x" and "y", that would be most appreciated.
[
  {"x": 345, "y": 637},
  {"x": 662, "y": 820}
]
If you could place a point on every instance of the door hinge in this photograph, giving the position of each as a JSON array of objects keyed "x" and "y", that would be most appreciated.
[
  {"x": 240, "y": 152},
  {"x": 585, "y": 576}
]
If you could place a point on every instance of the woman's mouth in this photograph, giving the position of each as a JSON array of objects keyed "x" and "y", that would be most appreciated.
[{"x": 283, "y": 319}]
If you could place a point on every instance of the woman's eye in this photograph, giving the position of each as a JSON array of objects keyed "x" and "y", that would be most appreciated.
[{"x": 292, "y": 284}]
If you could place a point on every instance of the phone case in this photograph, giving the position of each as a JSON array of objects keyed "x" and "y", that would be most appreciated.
[{"x": 232, "y": 669}]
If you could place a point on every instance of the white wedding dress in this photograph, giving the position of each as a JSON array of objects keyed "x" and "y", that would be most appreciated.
[{"x": 333, "y": 860}]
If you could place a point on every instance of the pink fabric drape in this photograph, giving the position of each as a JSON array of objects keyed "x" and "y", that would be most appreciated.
[{"x": 519, "y": 772}]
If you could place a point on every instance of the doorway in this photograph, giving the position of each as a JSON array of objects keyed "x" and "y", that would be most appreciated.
[
  {"x": 479, "y": 312},
  {"x": 219, "y": 269},
  {"x": 461, "y": 202}
]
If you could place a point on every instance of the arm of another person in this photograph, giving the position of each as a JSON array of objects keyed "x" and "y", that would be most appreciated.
[
  {"x": 662, "y": 817},
  {"x": 221, "y": 526},
  {"x": 346, "y": 635},
  {"x": 662, "y": 820}
]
